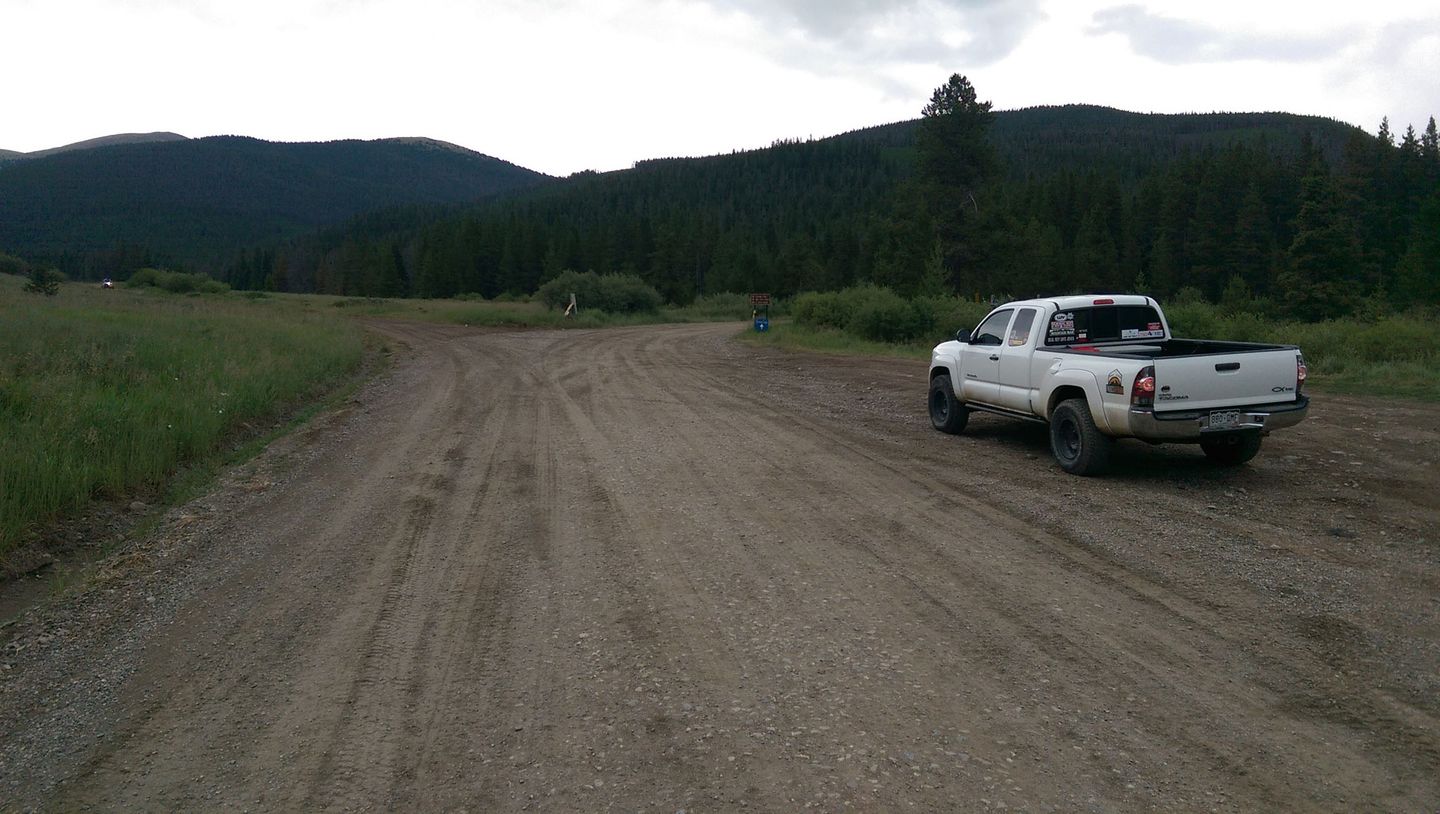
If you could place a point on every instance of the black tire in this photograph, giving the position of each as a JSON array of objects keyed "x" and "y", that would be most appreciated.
[
  {"x": 947, "y": 413},
  {"x": 1077, "y": 443},
  {"x": 1231, "y": 450}
]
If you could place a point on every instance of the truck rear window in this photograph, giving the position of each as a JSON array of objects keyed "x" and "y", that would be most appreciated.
[{"x": 1106, "y": 323}]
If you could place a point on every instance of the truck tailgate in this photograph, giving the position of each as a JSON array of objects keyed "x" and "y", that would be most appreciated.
[{"x": 1224, "y": 380}]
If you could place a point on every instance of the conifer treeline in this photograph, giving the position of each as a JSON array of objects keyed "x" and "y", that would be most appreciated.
[{"x": 1318, "y": 224}]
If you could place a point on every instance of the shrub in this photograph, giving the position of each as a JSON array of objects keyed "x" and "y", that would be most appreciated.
[
  {"x": 950, "y": 314},
  {"x": 1193, "y": 320},
  {"x": 723, "y": 306},
  {"x": 612, "y": 293},
  {"x": 10, "y": 264},
  {"x": 836, "y": 309},
  {"x": 44, "y": 281},
  {"x": 1188, "y": 295},
  {"x": 887, "y": 317},
  {"x": 1246, "y": 327},
  {"x": 176, "y": 282}
]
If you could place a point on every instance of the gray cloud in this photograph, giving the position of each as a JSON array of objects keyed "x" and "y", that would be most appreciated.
[
  {"x": 1180, "y": 42},
  {"x": 860, "y": 33}
]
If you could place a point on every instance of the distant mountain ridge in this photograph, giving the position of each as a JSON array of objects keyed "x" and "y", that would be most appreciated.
[
  {"x": 89, "y": 144},
  {"x": 1085, "y": 195},
  {"x": 197, "y": 201},
  {"x": 113, "y": 202}
]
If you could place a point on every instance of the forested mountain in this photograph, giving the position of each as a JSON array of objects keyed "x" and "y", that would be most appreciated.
[
  {"x": 90, "y": 144},
  {"x": 197, "y": 203},
  {"x": 1080, "y": 197}
]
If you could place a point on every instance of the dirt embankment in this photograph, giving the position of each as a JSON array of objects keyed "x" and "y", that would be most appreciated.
[{"x": 650, "y": 569}]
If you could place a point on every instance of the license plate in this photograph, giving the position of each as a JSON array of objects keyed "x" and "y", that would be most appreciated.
[{"x": 1224, "y": 419}]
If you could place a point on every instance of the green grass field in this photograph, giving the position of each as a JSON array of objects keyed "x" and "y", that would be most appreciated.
[{"x": 104, "y": 393}]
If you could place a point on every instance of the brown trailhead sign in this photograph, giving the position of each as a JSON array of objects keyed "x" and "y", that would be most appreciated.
[{"x": 759, "y": 299}]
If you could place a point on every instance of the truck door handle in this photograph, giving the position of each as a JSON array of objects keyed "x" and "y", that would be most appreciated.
[
  {"x": 1227, "y": 367},
  {"x": 994, "y": 357}
]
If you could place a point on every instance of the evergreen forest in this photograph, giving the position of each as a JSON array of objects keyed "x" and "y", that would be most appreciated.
[{"x": 1316, "y": 215}]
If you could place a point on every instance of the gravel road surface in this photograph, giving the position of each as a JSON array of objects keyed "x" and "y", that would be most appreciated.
[{"x": 653, "y": 569}]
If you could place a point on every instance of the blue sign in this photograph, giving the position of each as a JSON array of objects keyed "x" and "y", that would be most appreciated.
[{"x": 762, "y": 324}]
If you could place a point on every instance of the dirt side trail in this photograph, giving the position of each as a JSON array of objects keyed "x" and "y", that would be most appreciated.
[{"x": 652, "y": 569}]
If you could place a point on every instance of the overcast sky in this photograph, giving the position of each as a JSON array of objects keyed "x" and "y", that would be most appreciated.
[{"x": 566, "y": 85}]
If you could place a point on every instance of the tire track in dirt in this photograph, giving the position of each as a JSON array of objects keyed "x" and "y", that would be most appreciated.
[{"x": 650, "y": 569}]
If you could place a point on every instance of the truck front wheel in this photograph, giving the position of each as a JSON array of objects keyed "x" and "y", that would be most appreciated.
[
  {"x": 1231, "y": 450},
  {"x": 947, "y": 414},
  {"x": 1078, "y": 444}
]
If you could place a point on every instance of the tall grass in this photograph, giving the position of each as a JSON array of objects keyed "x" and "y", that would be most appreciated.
[{"x": 106, "y": 392}]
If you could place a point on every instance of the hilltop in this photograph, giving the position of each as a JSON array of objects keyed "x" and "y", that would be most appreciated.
[{"x": 198, "y": 201}]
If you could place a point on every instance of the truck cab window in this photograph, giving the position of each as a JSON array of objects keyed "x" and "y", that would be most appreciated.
[
  {"x": 992, "y": 330},
  {"x": 1024, "y": 324}
]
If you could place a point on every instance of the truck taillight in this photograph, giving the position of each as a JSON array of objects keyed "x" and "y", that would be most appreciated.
[
  {"x": 1143, "y": 393},
  {"x": 1301, "y": 371}
]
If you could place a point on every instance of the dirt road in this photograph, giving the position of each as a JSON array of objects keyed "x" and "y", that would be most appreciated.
[{"x": 652, "y": 569}]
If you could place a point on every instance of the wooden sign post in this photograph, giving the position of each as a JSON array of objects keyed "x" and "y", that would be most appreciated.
[{"x": 762, "y": 318}]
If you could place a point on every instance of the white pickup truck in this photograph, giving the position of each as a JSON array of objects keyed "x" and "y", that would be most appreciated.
[{"x": 1097, "y": 368}]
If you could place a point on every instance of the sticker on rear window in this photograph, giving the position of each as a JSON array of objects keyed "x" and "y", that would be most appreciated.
[
  {"x": 1132, "y": 333},
  {"x": 1062, "y": 328}
]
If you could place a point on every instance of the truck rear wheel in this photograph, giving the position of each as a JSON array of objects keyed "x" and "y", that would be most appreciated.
[
  {"x": 1077, "y": 443},
  {"x": 947, "y": 414},
  {"x": 1231, "y": 450}
]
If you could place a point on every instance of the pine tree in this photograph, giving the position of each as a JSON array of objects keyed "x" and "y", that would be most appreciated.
[
  {"x": 1249, "y": 251},
  {"x": 1417, "y": 275},
  {"x": 1322, "y": 282},
  {"x": 1430, "y": 144},
  {"x": 1097, "y": 259},
  {"x": 954, "y": 160}
]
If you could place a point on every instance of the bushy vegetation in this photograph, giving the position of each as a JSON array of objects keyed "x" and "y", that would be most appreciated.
[
  {"x": 721, "y": 307},
  {"x": 44, "y": 281},
  {"x": 103, "y": 393},
  {"x": 176, "y": 282},
  {"x": 611, "y": 293},
  {"x": 10, "y": 264},
  {"x": 880, "y": 315}
]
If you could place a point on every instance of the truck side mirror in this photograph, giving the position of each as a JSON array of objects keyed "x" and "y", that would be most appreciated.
[{"x": 963, "y": 336}]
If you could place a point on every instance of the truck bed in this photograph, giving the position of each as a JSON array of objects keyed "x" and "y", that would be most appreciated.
[{"x": 1170, "y": 348}]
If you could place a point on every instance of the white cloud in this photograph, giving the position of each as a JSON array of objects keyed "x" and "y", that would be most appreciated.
[
  {"x": 563, "y": 85},
  {"x": 1178, "y": 41}
]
